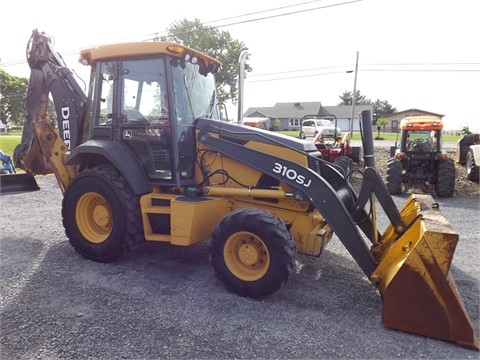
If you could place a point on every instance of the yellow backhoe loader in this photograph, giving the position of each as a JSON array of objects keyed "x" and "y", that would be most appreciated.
[{"x": 145, "y": 156}]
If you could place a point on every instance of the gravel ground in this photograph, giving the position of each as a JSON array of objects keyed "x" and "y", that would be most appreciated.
[{"x": 164, "y": 302}]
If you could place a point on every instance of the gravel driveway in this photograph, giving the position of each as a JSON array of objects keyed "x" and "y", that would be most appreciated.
[{"x": 165, "y": 303}]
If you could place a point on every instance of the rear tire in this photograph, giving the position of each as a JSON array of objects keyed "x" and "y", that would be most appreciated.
[
  {"x": 101, "y": 215},
  {"x": 445, "y": 184},
  {"x": 252, "y": 252},
  {"x": 345, "y": 163},
  {"x": 471, "y": 167},
  {"x": 394, "y": 177}
]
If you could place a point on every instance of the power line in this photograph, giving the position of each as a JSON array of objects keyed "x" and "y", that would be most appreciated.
[
  {"x": 262, "y": 11},
  {"x": 299, "y": 70},
  {"x": 342, "y": 72},
  {"x": 423, "y": 63},
  {"x": 155, "y": 35},
  {"x": 180, "y": 32},
  {"x": 422, "y": 70},
  {"x": 313, "y": 69},
  {"x": 283, "y": 14},
  {"x": 295, "y": 77}
]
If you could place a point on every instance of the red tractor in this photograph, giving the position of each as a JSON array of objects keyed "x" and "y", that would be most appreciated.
[{"x": 328, "y": 140}]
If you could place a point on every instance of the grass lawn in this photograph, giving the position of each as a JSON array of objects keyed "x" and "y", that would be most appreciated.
[
  {"x": 385, "y": 136},
  {"x": 9, "y": 141}
]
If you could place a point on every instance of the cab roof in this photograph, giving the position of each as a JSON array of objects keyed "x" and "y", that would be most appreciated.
[
  {"x": 421, "y": 123},
  {"x": 145, "y": 48}
]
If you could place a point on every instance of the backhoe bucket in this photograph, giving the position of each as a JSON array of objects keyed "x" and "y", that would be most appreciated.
[
  {"x": 10, "y": 183},
  {"x": 419, "y": 294}
]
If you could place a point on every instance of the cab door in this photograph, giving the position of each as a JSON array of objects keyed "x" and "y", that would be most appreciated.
[
  {"x": 103, "y": 112},
  {"x": 144, "y": 118}
]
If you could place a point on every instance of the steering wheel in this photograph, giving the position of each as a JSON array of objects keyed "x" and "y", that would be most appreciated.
[{"x": 419, "y": 144}]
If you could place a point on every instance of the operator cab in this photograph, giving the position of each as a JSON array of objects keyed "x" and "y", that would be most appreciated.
[
  {"x": 150, "y": 104},
  {"x": 421, "y": 134}
]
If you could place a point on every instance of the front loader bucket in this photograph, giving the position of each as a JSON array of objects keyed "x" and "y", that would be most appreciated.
[
  {"x": 413, "y": 276},
  {"x": 10, "y": 183}
]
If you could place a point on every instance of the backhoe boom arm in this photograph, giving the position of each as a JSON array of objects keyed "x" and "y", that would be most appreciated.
[{"x": 49, "y": 75}]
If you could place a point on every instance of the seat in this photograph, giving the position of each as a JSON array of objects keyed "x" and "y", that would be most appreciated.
[{"x": 144, "y": 152}]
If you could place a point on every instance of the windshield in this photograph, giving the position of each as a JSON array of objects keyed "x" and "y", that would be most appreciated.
[
  {"x": 195, "y": 94},
  {"x": 421, "y": 140},
  {"x": 324, "y": 123}
]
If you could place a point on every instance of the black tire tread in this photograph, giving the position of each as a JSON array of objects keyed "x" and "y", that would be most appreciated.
[
  {"x": 278, "y": 239},
  {"x": 394, "y": 176},
  {"x": 133, "y": 235},
  {"x": 445, "y": 185},
  {"x": 471, "y": 167}
]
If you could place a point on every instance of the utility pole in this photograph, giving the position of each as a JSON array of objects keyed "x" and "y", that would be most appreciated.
[{"x": 353, "y": 97}]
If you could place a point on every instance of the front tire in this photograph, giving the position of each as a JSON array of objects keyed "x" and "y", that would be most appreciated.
[
  {"x": 471, "y": 167},
  {"x": 252, "y": 252},
  {"x": 445, "y": 184},
  {"x": 101, "y": 215},
  {"x": 394, "y": 177}
]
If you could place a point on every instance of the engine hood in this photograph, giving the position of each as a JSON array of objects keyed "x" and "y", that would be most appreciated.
[{"x": 242, "y": 134}]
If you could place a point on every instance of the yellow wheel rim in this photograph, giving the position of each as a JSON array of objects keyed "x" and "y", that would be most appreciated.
[
  {"x": 94, "y": 217},
  {"x": 246, "y": 256}
]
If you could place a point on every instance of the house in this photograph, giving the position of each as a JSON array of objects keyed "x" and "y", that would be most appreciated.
[
  {"x": 394, "y": 119},
  {"x": 289, "y": 114}
]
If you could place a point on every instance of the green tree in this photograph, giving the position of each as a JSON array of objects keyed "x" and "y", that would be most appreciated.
[
  {"x": 381, "y": 122},
  {"x": 346, "y": 98},
  {"x": 381, "y": 108},
  {"x": 215, "y": 43},
  {"x": 276, "y": 125},
  {"x": 12, "y": 94}
]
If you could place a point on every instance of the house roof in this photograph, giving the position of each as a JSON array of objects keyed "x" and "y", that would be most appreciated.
[
  {"x": 297, "y": 110},
  {"x": 294, "y": 110},
  {"x": 415, "y": 110},
  {"x": 345, "y": 111}
]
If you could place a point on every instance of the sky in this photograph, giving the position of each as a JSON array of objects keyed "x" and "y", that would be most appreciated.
[{"x": 421, "y": 54}]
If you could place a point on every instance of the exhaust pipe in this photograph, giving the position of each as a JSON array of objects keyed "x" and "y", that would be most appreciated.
[
  {"x": 367, "y": 138},
  {"x": 241, "y": 78}
]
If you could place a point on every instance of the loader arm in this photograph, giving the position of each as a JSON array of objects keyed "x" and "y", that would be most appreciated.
[
  {"x": 43, "y": 147},
  {"x": 326, "y": 189}
]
